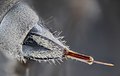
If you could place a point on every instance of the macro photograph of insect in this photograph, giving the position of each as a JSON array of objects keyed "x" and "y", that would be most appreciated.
[{"x": 59, "y": 38}]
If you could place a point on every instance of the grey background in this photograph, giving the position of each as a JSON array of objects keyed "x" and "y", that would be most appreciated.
[{"x": 91, "y": 27}]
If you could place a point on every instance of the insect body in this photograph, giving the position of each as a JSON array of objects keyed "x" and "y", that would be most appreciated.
[
  {"x": 22, "y": 37},
  {"x": 55, "y": 50}
]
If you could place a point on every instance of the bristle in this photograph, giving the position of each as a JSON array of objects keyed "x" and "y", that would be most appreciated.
[
  {"x": 53, "y": 61},
  {"x": 61, "y": 60},
  {"x": 58, "y": 61}
]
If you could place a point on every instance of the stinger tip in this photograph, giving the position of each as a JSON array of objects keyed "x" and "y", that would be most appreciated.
[{"x": 103, "y": 63}]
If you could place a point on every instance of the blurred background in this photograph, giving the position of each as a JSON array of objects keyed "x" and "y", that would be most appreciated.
[{"x": 91, "y": 27}]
